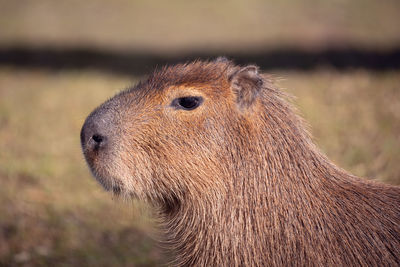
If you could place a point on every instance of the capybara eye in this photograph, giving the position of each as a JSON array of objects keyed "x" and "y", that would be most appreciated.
[{"x": 187, "y": 103}]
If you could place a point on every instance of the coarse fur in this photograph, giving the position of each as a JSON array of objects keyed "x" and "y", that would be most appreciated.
[{"x": 238, "y": 180}]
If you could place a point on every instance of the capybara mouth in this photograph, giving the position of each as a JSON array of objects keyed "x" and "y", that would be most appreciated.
[
  {"x": 112, "y": 185},
  {"x": 109, "y": 183}
]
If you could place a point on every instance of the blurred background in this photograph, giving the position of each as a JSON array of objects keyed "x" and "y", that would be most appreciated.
[{"x": 60, "y": 59}]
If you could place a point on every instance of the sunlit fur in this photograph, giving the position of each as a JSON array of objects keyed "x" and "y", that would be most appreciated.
[{"x": 238, "y": 181}]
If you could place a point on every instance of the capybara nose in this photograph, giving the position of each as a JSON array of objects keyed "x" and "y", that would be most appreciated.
[
  {"x": 92, "y": 136},
  {"x": 97, "y": 141}
]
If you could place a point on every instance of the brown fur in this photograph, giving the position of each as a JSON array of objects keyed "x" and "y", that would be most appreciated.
[{"x": 238, "y": 181}]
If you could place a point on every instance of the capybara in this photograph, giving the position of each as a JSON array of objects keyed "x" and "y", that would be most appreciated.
[{"x": 233, "y": 174}]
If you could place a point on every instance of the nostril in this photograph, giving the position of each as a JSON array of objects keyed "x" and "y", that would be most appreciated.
[
  {"x": 98, "y": 138},
  {"x": 98, "y": 141}
]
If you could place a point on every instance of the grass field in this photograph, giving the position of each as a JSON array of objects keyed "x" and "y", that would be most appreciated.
[
  {"x": 179, "y": 25},
  {"x": 54, "y": 212}
]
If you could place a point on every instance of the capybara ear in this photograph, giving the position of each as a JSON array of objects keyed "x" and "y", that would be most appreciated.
[{"x": 246, "y": 83}]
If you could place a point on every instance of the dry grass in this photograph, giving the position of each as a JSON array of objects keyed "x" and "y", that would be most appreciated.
[
  {"x": 52, "y": 210},
  {"x": 177, "y": 25}
]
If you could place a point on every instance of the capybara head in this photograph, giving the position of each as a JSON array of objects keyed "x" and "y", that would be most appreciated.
[{"x": 175, "y": 135}]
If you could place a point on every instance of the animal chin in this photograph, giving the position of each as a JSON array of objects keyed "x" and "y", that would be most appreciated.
[
  {"x": 108, "y": 183},
  {"x": 114, "y": 187}
]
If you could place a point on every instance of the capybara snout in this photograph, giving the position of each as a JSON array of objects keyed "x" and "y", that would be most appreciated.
[{"x": 100, "y": 137}]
